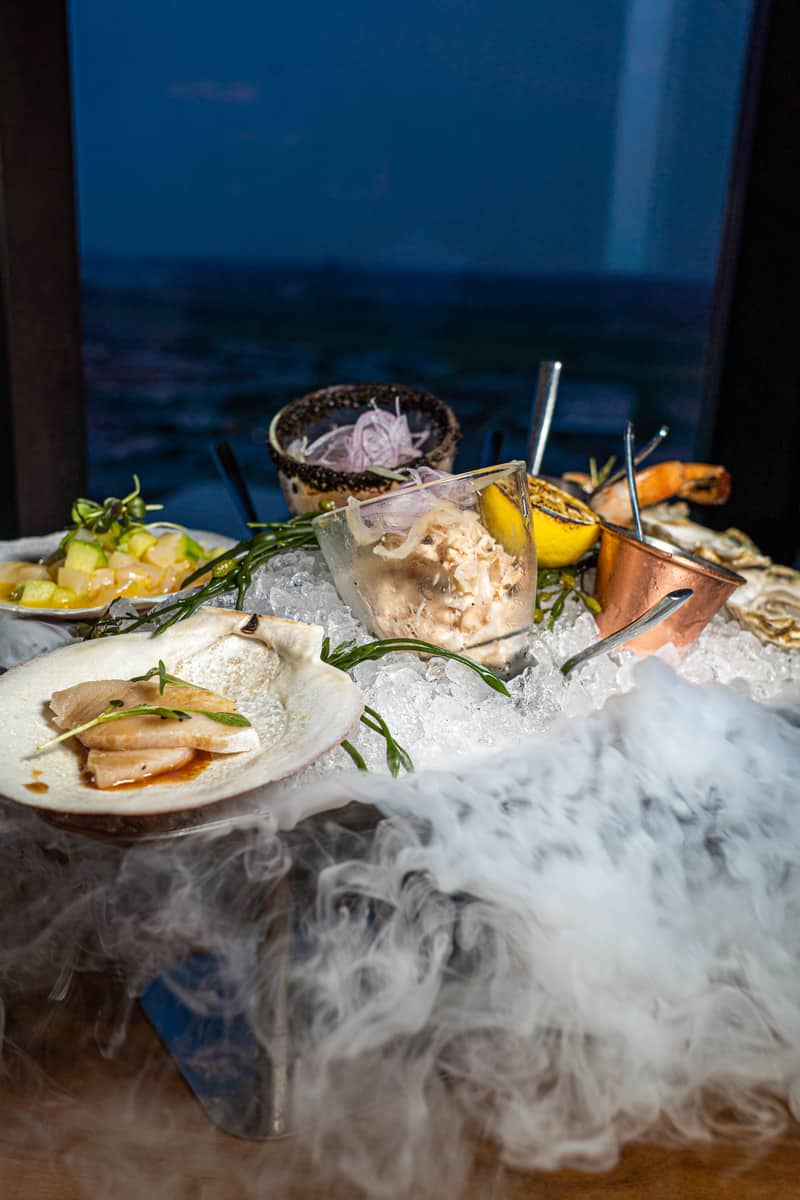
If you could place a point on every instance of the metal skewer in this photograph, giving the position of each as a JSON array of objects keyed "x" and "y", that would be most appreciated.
[
  {"x": 630, "y": 442},
  {"x": 645, "y": 452},
  {"x": 543, "y": 407},
  {"x": 659, "y": 612}
]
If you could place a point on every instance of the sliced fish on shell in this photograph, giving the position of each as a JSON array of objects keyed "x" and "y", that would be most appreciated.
[{"x": 265, "y": 668}]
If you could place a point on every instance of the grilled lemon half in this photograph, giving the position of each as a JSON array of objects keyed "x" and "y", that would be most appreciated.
[{"x": 564, "y": 528}]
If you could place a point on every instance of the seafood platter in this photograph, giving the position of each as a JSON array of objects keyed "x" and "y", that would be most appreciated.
[{"x": 171, "y": 693}]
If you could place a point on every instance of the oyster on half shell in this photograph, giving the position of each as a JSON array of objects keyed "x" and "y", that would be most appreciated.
[
  {"x": 729, "y": 548},
  {"x": 769, "y": 605},
  {"x": 299, "y": 706}
]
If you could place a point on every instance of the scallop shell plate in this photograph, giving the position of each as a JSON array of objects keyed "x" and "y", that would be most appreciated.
[{"x": 299, "y": 706}]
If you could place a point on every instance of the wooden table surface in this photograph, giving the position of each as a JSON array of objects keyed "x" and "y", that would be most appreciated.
[{"x": 81, "y": 1118}]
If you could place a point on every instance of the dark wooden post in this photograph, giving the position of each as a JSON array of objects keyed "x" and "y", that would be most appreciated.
[
  {"x": 753, "y": 365},
  {"x": 42, "y": 427}
]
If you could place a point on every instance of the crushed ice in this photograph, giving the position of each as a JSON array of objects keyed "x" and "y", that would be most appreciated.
[{"x": 441, "y": 709}]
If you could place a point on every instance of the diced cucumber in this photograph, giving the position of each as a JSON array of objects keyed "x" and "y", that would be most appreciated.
[
  {"x": 85, "y": 556},
  {"x": 190, "y": 549},
  {"x": 109, "y": 540},
  {"x": 36, "y": 593},
  {"x": 138, "y": 543}
]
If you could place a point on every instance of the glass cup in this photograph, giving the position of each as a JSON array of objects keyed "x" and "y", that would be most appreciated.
[{"x": 451, "y": 561}]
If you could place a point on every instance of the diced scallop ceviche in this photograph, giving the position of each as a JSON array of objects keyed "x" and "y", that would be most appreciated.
[{"x": 91, "y": 571}]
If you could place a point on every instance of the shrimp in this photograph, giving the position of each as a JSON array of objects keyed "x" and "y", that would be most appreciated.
[{"x": 702, "y": 483}]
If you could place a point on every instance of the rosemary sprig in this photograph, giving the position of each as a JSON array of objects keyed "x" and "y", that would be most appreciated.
[
  {"x": 354, "y": 754},
  {"x": 348, "y": 655},
  {"x": 115, "y": 711},
  {"x": 231, "y": 571},
  {"x": 554, "y": 587}
]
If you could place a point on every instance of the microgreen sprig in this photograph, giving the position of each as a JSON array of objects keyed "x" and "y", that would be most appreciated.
[
  {"x": 597, "y": 477},
  {"x": 115, "y": 711},
  {"x": 347, "y": 655},
  {"x": 164, "y": 679},
  {"x": 112, "y": 515}
]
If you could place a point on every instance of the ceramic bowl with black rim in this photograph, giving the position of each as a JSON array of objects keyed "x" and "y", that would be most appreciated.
[{"x": 309, "y": 485}]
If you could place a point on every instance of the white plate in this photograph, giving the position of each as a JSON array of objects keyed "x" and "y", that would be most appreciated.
[{"x": 32, "y": 549}]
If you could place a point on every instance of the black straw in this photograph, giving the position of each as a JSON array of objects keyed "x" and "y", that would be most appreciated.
[{"x": 227, "y": 464}]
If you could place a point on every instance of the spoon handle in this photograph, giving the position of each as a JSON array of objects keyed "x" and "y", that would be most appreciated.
[
  {"x": 543, "y": 408},
  {"x": 662, "y": 609}
]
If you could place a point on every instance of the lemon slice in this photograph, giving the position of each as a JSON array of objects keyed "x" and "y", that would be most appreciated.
[
  {"x": 564, "y": 528},
  {"x": 503, "y": 519}
]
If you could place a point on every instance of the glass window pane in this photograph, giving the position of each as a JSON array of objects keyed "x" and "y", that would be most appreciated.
[{"x": 277, "y": 198}]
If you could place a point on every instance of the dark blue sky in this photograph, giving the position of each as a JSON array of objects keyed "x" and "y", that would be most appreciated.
[{"x": 521, "y": 135}]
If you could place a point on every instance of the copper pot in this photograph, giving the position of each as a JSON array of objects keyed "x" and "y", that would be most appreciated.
[{"x": 632, "y": 575}]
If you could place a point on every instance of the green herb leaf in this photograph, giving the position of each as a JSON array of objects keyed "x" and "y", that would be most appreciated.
[
  {"x": 555, "y": 585},
  {"x": 113, "y": 516},
  {"x": 231, "y": 571},
  {"x": 350, "y": 749},
  {"x": 164, "y": 679},
  {"x": 347, "y": 656},
  {"x": 396, "y": 755},
  {"x": 115, "y": 712},
  {"x": 224, "y": 718}
]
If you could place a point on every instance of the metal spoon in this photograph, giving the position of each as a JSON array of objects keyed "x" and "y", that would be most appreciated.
[
  {"x": 659, "y": 612},
  {"x": 543, "y": 407},
  {"x": 630, "y": 469}
]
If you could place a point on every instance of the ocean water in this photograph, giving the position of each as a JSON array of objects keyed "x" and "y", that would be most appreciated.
[{"x": 181, "y": 355}]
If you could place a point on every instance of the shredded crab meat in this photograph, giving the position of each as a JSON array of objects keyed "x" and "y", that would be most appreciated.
[{"x": 377, "y": 439}]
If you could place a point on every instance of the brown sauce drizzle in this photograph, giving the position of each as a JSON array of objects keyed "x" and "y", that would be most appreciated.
[
  {"x": 37, "y": 786},
  {"x": 190, "y": 770}
]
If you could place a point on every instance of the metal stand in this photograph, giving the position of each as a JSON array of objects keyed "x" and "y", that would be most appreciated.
[{"x": 239, "y": 1065}]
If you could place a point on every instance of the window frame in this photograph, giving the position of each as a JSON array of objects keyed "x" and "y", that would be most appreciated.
[{"x": 42, "y": 419}]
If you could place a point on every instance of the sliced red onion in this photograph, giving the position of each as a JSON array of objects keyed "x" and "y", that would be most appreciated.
[
  {"x": 410, "y": 506},
  {"x": 377, "y": 439}
]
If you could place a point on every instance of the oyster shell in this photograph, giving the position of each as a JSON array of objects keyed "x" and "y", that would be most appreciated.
[
  {"x": 769, "y": 605},
  {"x": 730, "y": 548},
  {"x": 299, "y": 706}
]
